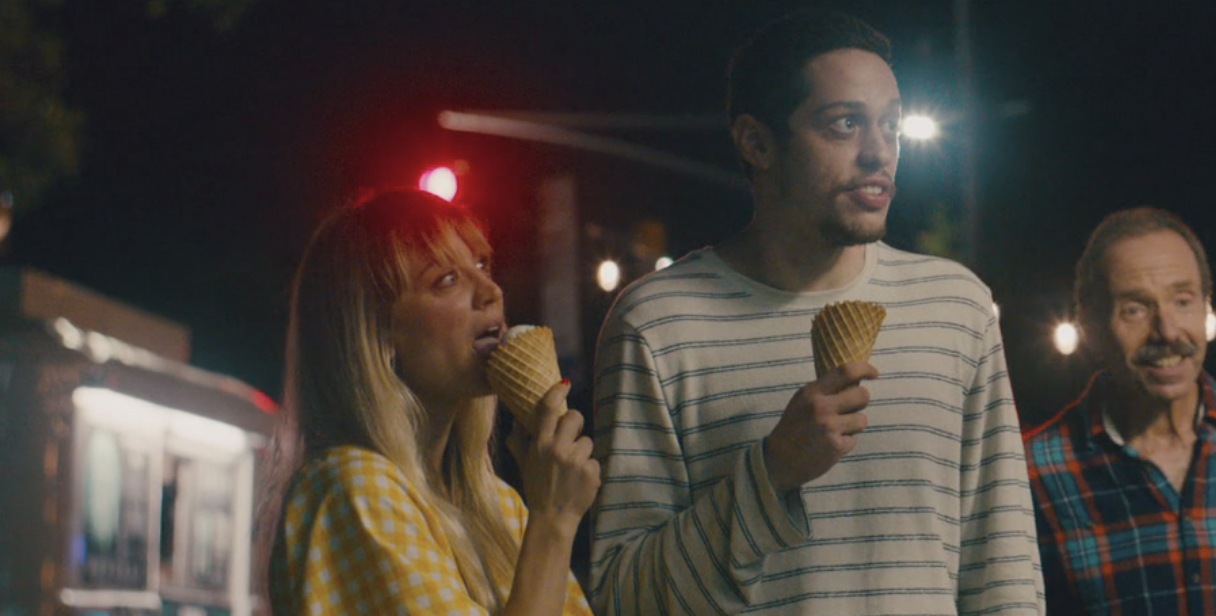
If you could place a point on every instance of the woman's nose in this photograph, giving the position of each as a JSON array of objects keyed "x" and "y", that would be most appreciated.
[{"x": 488, "y": 291}]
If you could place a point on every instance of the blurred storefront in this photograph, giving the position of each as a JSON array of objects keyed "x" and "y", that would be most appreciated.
[{"x": 128, "y": 483}]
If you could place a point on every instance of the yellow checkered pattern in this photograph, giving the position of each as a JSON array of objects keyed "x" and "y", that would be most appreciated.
[{"x": 356, "y": 539}]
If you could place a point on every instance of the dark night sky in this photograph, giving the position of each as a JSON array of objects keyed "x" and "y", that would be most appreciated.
[{"x": 209, "y": 157}]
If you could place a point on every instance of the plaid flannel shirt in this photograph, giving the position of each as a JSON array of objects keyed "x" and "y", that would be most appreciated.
[{"x": 1115, "y": 536}]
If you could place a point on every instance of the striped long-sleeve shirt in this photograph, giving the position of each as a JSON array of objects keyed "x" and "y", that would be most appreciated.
[{"x": 929, "y": 514}]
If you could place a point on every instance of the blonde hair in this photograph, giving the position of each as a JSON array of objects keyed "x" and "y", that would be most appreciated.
[{"x": 341, "y": 387}]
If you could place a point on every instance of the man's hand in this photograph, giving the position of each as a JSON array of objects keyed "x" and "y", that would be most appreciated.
[{"x": 819, "y": 426}]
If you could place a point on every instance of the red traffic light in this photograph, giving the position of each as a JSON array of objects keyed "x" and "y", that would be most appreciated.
[{"x": 439, "y": 181}]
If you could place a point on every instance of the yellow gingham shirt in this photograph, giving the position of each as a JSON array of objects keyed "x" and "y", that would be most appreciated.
[{"x": 356, "y": 539}]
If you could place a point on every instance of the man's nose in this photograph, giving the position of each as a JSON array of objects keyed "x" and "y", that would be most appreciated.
[
  {"x": 879, "y": 148},
  {"x": 1165, "y": 325}
]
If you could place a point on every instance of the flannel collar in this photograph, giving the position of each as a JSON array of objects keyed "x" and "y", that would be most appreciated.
[{"x": 1095, "y": 417}]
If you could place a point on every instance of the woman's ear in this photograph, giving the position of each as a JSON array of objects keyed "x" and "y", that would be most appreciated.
[{"x": 754, "y": 141}]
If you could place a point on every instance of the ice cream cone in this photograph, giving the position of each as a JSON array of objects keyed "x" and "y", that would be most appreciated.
[
  {"x": 522, "y": 369},
  {"x": 844, "y": 332}
]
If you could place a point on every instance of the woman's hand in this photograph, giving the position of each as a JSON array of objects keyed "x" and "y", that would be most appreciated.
[
  {"x": 560, "y": 478},
  {"x": 560, "y": 482}
]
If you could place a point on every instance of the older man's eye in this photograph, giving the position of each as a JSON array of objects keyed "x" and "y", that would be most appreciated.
[{"x": 1132, "y": 312}]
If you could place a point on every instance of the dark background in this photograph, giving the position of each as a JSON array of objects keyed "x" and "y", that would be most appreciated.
[{"x": 209, "y": 155}]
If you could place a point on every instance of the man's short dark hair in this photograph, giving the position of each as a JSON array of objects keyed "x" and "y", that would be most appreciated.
[
  {"x": 1092, "y": 286},
  {"x": 765, "y": 74}
]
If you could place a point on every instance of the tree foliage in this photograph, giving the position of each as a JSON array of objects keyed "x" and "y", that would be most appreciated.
[{"x": 40, "y": 132}]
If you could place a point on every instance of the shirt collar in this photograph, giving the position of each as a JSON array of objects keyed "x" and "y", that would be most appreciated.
[{"x": 1206, "y": 409}]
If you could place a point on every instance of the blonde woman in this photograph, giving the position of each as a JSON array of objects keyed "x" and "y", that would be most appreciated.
[{"x": 392, "y": 506}]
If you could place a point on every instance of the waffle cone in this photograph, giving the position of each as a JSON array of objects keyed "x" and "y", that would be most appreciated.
[
  {"x": 844, "y": 332},
  {"x": 521, "y": 370}
]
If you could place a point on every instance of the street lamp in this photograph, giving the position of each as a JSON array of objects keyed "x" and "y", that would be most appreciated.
[{"x": 920, "y": 127}]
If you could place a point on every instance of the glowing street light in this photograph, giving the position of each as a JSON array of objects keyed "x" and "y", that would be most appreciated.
[
  {"x": 1066, "y": 338},
  {"x": 920, "y": 127},
  {"x": 439, "y": 181},
  {"x": 608, "y": 276},
  {"x": 663, "y": 262}
]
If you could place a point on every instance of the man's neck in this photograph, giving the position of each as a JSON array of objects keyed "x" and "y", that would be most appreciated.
[
  {"x": 1139, "y": 417},
  {"x": 791, "y": 262}
]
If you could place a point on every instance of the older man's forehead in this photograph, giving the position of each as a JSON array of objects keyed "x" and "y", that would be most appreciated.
[{"x": 1164, "y": 256}]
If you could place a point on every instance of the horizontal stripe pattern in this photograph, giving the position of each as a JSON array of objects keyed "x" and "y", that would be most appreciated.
[{"x": 930, "y": 514}]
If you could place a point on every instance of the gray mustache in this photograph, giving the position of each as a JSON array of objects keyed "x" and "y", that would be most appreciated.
[{"x": 1150, "y": 353}]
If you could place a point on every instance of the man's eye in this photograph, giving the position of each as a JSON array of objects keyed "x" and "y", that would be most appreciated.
[
  {"x": 1132, "y": 311},
  {"x": 846, "y": 124}
]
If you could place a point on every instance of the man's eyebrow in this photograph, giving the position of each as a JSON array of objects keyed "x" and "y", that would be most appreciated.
[
  {"x": 854, "y": 106},
  {"x": 1140, "y": 294},
  {"x": 1132, "y": 294}
]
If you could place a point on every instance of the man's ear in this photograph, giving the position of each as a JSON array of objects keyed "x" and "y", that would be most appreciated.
[
  {"x": 1096, "y": 340},
  {"x": 754, "y": 141}
]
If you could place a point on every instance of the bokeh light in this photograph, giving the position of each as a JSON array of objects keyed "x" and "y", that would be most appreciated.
[
  {"x": 608, "y": 275},
  {"x": 662, "y": 262},
  {"x": 439, "y": 181},
  {"x": 920, "y": 127},
  {"x": 1066, "y": 338}
]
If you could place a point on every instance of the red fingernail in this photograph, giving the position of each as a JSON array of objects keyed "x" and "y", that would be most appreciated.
[{"x": 565, "y": 381}]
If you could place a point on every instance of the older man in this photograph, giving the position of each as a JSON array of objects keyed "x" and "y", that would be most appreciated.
[{"x": 1124, "y": 478}]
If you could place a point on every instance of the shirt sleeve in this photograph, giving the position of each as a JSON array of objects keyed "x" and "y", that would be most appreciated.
[
  {"x": 656, "y": 550},
  {"x": 999, "y": 571}
]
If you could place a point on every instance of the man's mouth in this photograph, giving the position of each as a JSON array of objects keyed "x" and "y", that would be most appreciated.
[
  {"x": 873, "y": 193},
  {"x": 1165, "y": 355},
  {"x": 1166, "y": 362}
]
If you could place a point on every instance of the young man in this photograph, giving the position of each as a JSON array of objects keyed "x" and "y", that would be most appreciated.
[
  {"x": 731, "y": 484},
  {"x": 1125, "y": 478}
]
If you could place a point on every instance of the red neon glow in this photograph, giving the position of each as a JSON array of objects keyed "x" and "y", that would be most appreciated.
[{"x": 439, "y": 181}]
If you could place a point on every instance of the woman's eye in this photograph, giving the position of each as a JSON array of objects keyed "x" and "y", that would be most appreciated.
[{"x": 446, "y": 280}]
